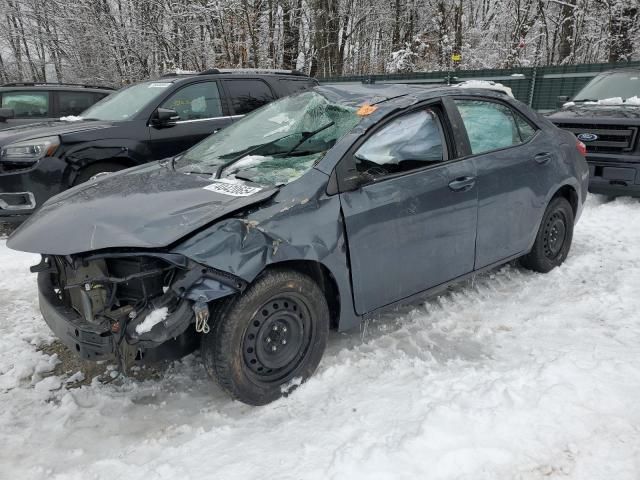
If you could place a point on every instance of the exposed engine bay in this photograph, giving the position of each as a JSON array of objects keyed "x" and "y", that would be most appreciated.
[{"x": 130, "y": 305}]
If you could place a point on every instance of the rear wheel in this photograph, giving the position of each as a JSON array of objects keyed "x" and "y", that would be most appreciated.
[
  {"x": 97, "y": 170},
  {"x": 554, "y": 238},
  {"x": 268, "y": 340}
]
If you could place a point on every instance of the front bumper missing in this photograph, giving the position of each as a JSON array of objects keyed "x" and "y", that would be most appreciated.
[
  {"x": 171, "y": 338},
  {"x": 89, "y": 341}
]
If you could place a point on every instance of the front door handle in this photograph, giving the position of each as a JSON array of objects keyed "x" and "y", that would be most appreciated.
[
  {"x": 543, "y": 158},
  {"x": 462, "y": 184}
]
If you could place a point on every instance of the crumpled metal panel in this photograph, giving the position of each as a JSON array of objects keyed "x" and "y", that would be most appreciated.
[
  {"x": 300, "y": 223},
  {"x": 150, "y": 206}
]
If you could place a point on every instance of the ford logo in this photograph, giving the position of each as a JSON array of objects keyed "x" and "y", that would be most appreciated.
[{"x": 588, "y": 137}]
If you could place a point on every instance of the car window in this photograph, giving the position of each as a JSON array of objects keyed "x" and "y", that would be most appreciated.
[
  {"x": 293, "y": 86},
  {"x": 196, "y": 101},
  {"x": 74, "y": 103},
  {"x": 27, "y": 104},
  {"x": 406, "y": 143},
  {"x": 247, "y": 95},
  {"x": 492, "y": 126},
  {"x": 524, "y": 128}
]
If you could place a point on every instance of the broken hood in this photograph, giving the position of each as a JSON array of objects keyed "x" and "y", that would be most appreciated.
[{"x": 149, "y": 206}]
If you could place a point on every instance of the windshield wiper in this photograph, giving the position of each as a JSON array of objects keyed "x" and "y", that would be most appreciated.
[{"x": 307, "y": 135}]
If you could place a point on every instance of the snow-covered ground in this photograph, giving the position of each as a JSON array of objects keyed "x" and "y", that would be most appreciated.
[{"x": 515, "y": 375}]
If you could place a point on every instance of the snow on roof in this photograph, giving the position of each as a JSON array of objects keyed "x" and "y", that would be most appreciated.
[{"x": 487, "y": 84}]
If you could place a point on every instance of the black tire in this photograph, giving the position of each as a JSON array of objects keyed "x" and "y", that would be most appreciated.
[
  {"x": 94, "y": 169},
  {"x": 553, "y": 241},
  {"x": 270, "y": 337}
]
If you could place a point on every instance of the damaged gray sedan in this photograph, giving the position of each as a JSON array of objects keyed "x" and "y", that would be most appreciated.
[{"x": 312, "y": 213}]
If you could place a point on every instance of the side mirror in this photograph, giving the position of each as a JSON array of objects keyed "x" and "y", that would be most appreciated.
[
  {"x": 562, "y": 99},
  {"x": 164, "y": 117},
  {"x": 6, "y": 113}
]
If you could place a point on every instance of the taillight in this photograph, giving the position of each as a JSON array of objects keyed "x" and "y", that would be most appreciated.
[{"x": 582, "y": 148}]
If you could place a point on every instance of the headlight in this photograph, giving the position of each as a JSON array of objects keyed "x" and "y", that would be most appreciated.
[{"x": 29, "y": 151}]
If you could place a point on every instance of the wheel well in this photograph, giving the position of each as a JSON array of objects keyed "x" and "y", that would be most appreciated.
[
  {"x": 571, "y": 195},
  {"x": 323, "y": 277}
]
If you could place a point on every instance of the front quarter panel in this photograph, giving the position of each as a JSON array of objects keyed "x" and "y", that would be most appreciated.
[{"x": 302, "y": 223}]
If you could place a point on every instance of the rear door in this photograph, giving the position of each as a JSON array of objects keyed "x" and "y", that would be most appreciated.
[
  {"x": 29, "y": 106},
  {"x": 202, "y": 112},
  {"x": 412, "y": 224},
  {"x": 514, "y": 163}
]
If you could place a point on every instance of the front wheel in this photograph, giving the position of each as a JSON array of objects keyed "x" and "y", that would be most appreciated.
[
  {"x": 269, "y": 339},
  {"x": 554, "y": 238}
]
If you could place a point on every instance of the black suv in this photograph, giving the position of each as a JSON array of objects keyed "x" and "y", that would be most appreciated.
[
  {"x": 25, "y": 103},
  {"x": 605, "y": 116},
  {"x": 147, "y": 121}
]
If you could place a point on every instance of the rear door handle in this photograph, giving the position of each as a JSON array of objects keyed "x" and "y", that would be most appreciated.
[
  {"x": 462, "y": 184},
  {"x": 543, "y": 158}
]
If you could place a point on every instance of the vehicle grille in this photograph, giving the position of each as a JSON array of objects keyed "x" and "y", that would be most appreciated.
[{"x": 611, "y": 138}]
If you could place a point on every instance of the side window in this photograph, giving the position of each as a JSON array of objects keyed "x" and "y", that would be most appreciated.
[
  {"x": 27, "y": 104},
  {"x": 247, "y": 95},
  {"x": 74, "y": 103},
  {"x": 294, "y": 86},
  {"x": 492, "y": 126},
  {"x": 406, "y": 143},
  {"x": 524, "y": 128},
  {"x": 196, "y": 101}
]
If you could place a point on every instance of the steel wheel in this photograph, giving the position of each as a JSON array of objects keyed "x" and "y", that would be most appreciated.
[
  {"x": 277, "y": 338},
  {"x": 555, "y": 233}
]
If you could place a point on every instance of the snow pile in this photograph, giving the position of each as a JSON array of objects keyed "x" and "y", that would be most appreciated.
[
  {"x": 490, "y": 85},
  {"x": 151, "y": 320},
  {"x": 514, "y": 375},
  {"x": 71, "y": 118}
]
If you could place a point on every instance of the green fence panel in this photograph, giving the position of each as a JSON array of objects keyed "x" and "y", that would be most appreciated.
[{"x": 538, "y": 87}]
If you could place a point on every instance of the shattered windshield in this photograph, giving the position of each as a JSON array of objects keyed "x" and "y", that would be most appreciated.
[
  {"x": 619, "y": 85},
  {"x": 275, "y": 144}
]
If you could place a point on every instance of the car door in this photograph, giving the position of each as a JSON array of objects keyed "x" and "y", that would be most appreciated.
[
  {"x": 29, "y": 106},
  {"x": 202, "y": 111},
  {"x": 411, "y": 225},
  {"x": 512, "y": 158}
]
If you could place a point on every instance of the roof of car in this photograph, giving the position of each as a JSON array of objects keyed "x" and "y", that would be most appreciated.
[
  {"x": 53, "y": 86},
  {"x": 391, "y": 94},
  {"x": 233, "y": 73}
]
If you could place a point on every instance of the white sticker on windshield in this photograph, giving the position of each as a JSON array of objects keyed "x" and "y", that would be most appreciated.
[
  {"x": 231, "y": 187},
  {"x": 158, "y": 85}
]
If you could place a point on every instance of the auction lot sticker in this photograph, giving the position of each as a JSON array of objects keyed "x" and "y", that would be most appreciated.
[{"x": 231, "y": 187}]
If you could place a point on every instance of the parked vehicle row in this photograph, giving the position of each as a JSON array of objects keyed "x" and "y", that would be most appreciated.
[
  {"x": 315, "y": 211},
  {"x": 26, "y": 103}
]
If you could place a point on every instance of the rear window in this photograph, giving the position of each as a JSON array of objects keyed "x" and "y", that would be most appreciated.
[
  {"x": 27, "y": 104},
  {"x": 74, "y": 103},
  {"x": 247, "y": 95}
]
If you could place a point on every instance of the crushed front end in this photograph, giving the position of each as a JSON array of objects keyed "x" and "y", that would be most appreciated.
[{"x": 136, "y": 307}]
